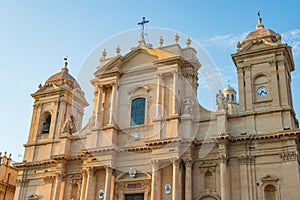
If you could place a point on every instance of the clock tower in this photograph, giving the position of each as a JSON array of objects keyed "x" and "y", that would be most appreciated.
[{"x": 264, "y": 67}]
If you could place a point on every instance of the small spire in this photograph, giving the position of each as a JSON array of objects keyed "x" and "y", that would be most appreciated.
[
  {"x": 259, "y": 25},
  {"x": 188, "y": 42},
  {"x": 118, "y": 50},
  {"x": 161, "y": 41},
  {"x": 176, "y": 38},
  {"x": 66, "y": 61},
  {"x": 40, "y": 86}
]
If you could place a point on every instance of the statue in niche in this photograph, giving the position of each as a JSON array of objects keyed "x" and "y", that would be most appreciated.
[
  {"x": 69, "y": 126},
  {"x": 221, "y": 101},
  {"x": 187, "y": 106}
]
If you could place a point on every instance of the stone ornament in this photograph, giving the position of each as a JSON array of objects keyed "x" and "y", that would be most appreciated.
[
  {"x": 132, "y": 172},
  {"x": 168, "y": 188},
  {"x": 101, "y": 194}
]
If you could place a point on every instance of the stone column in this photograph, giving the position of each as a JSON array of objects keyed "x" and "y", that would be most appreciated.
[
  {"x": 175, "y": 184},
  {"x": 98, "y": 106},
  {"x": 112, "y": 105},
  {"x": 83, "y": 184},
  {"x": 57, "y": 186},
  {"x": 108, "y": 172},
  {"x": 154, "y": 181},
  {"x": 175, "y": 89},
  {"x": 188, "y": 179},
  {"x": 224, "y": 183},
  {"x": 158, "y": 95},
  {"x": 90, "y": 187},
  {"x": 248, "y": 88}
]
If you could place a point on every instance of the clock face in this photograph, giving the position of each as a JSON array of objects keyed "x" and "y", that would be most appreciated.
[{"x": 262, "y": 91}]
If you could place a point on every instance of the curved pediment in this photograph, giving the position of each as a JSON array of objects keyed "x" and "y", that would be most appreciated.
[{"x": 125, "y": 176}]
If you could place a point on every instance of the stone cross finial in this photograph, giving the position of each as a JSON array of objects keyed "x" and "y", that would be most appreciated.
[
  {"x": 66, "y": 61},
  {"x": 176, "y": 38},
  {"x": 161, "y": 41}
]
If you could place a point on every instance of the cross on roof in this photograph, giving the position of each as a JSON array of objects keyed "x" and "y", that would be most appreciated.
[{"x": 143, "y": 23}]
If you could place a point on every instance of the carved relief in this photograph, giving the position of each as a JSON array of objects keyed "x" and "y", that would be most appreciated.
[
  {"x": 289, "y": 156},
  {"x": 48, "y": 179},
  {"x": 246, "y": 159}
]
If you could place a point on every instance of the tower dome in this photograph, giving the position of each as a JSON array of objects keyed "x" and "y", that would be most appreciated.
[
  {"x": 262, "y": 33},
  {"x": 230, "y": 94},
  {"x": 63, "y": 79}
]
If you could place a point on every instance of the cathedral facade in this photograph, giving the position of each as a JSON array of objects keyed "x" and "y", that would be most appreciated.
[{"x": 149, "y": 138}]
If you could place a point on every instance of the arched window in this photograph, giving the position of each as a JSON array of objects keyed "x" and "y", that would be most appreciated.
[
  {"x": 270, "y": 192},
  {"x": 46, "y": 124},
  {"x": 137, "y": 111}
]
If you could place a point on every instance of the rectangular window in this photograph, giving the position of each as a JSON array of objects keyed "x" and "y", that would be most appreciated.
[{"x": 137, "y": 111}]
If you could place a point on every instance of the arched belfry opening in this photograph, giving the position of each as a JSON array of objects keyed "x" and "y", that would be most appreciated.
[{"x": 46, "y": 123}]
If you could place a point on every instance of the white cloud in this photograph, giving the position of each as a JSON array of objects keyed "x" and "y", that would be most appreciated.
[
  {"x": 224, "y": 42},
  {"x": 292, "y": 38}
]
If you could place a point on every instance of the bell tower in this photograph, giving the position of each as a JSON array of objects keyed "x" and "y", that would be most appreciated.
[
  {"x": 57, "y": 113},
  {"x": 264, "y": 67}
]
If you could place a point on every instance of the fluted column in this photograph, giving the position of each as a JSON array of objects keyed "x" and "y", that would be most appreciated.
[
  {"x": 90, "y": 187},
  {"x": 57, "y": 185},
  {"x": 188, "y": 179},
  {"x": 98, "y": 106},
  {"x": 175, "y": 185},
  {"x": 158, "y": 95},
  {"x": 175, "y": 89},
  {"x": 83, "y": 184},
  {"x": 224, "y": 183},
  {"x": 108, "y": 171},
  {"x": 113, "y": 100},
  {"x": 154, "y": 181}
]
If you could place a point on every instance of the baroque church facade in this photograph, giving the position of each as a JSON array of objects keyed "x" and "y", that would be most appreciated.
[{"x": 148, "y": 137}]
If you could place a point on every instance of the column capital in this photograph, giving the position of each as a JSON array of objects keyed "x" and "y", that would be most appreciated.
[
  {"x": 188, "y": 162},
  {"x": 91, "y": 171},
  {"x": 174, "y": 160}
]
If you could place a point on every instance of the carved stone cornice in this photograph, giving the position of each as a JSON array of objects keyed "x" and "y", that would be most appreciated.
[{"x": 288, "y": 156}]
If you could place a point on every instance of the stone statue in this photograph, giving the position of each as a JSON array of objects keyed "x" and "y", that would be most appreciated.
[
  {"x": 187, "y": 106},
  {"x": 220, "y": 100},
  {"x": 69, "y": 126}
]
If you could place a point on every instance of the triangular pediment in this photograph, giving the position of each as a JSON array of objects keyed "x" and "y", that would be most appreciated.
[
  {"x": 33, "y": 197},
  {"x": 269, "y": 177}
]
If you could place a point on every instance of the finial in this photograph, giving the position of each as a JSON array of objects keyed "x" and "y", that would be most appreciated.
[
  {"x": 40, "y": 86},
  {"x": 176, "y": 38},
  {"x": 66, "y": 61},
  {"x": 142, "y": 41},
  {"x": 188, "y": 42},
  {"x": 259, "y": 25},
  {"x": 9, "y": 155},
  {"x": 161, "y": 41},
  {"x": 239, "y": 45},
  {"x": 104, "y": 53},
  {"x": 5, "y": 153},
  {"x": 118, "y": 50}
]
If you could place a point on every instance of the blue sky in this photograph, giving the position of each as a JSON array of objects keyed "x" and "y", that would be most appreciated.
[{"x": 36, "y": 35}]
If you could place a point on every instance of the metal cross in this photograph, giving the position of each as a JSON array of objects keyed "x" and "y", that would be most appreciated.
[{"x": 142, "y": 23}]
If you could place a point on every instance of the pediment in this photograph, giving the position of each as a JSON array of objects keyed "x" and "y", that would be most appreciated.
[
  {"x": 33, "y": 197},
  {"x": 138, "y": 61},
  {"x": 269, "y": 177},
  {"x": 138, "y": 176},
  {"x": 206, "y": 164},
  {"x": 257, "y": 44}
]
